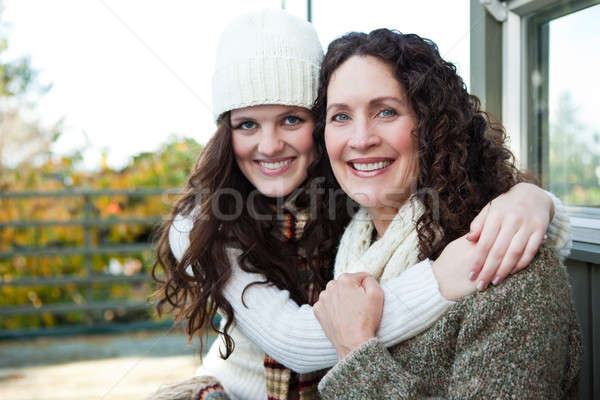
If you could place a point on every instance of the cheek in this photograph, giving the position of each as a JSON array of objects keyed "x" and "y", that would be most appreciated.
[
  {"x": 402, "y": 138},
  {"x": 242, "y": 147},
  {"x": 304, "y": 143},
  {"x": 333, "y": 145},
  {"x": 406, "y": 145}
]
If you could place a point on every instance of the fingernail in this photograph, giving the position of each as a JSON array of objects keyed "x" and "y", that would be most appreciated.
[
  {"x": 496, "y": 280},
  {"x": 472, "y": 276},
  {"x": 480, "y": 285}
]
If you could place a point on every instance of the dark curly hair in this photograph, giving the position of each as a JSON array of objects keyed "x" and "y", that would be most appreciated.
[
  {"x": 196, "y": 299},
  {"x": 463, "y": 160}
]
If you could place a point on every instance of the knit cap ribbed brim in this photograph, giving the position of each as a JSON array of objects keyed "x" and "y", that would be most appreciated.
[{"x": 269, "y": 57}]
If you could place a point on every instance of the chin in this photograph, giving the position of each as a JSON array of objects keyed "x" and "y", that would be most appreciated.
[
  {"x": 364, "y": 199},
  {"x": 275, "y": 192}
]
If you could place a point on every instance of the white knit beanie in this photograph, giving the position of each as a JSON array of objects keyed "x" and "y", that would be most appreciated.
[{"x": 266, "y": 57}]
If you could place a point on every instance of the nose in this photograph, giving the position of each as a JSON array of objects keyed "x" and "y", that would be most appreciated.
[
  {"x": 363, "y": 137},
  {"x": 270, "y": 142}
]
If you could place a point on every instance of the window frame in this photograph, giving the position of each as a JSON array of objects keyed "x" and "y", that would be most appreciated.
[
  {"x": 585, "y": 220},
  {"x": 524, "y": 106}
]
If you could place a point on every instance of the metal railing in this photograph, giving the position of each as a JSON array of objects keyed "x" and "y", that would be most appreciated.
[{"x": 88, "y": 222}]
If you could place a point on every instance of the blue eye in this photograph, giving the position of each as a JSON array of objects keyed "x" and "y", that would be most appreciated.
[
  {"x": 246, "y": 125},
  {"x": 388, "y": 112},
  {"x": 292, "y": 120},
  {"x": 340, "y": 117}
]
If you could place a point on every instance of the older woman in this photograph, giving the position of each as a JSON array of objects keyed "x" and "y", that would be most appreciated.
[{"x": 407, "y": 142}]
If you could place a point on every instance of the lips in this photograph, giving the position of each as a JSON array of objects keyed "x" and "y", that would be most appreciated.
[
  {"x": 369, "y": 167},
  {"x": 274, "y": 166}
]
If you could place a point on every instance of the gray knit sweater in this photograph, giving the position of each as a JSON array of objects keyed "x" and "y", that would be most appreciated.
[{"x": 520, "y": 340}]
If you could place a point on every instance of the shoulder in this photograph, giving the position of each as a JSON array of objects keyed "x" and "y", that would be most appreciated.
[{"x": 539, "y": 293}]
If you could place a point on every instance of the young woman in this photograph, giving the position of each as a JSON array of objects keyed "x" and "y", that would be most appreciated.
[
  {"x": 390, "y": 98},
  {"x": 261, "y": 206}
]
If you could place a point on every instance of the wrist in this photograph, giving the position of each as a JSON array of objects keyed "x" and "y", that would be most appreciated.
[
  {"x": 435, "y": 269},
  {"x": 344, "y": 350}
]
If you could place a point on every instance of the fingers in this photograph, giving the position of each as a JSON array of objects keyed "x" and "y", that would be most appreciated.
[
  {"x": 485, "y": 243},
  {"x": 533, "y": 244},
  {"x": 353, "y": 279},
  {"x": 370, "y": 283},
  {"x": 496, "y": 254},
  {"x": 372, "y": 288},
  {"x": 477, "y": 224},
  {"x": 513, "y": 255}
]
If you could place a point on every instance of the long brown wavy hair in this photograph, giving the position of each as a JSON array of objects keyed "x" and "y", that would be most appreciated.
[
  {"x": 209, "y": 194},
  {"x": 463, "y": 160}
]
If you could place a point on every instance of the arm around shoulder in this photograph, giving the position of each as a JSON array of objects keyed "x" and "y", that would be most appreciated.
[{"x": 521, "y": 338}]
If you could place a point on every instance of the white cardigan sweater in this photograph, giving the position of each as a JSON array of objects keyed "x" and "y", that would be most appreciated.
[{"x": 274, "y": 324}]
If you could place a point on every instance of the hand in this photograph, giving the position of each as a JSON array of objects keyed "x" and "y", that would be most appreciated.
[
  {"x": 451, "y": 267},
  {"x": 349, "y": 310},
  {"x": 508, "y": 232}
]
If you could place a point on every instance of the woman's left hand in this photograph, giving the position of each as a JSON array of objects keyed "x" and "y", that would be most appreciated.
[
  {"x": 349, "y": 310},
  {"x": 508, "y": 232}
]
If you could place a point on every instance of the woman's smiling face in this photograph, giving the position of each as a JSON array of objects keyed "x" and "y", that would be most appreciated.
[
  {"x": 273, "y": 146},
  {"x": 370, "y": 133}
]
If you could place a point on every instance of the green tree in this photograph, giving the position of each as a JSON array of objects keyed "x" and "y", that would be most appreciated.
[
  {"x": 22, "y": 137},
  {"x": 574, "y": 157}
]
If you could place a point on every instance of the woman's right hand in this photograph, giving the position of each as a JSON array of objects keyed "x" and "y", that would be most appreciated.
[{"x": 451, "y": 269}]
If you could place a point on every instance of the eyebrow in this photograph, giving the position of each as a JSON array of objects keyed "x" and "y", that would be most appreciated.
[{"x": 373, "y": 101}]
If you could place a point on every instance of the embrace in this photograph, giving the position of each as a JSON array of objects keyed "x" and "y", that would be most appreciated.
[{"x": 361, "y": 227}]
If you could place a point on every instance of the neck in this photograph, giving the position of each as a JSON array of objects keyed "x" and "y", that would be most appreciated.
[{"x": 382, "y": 217}]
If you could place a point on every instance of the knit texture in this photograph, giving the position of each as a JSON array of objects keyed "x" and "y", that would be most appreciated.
[
  {"x": 292, "y": 335},
  {"x": 196, "y": 388},
  {"x": 266, "y": 57},
  {"x": 559, "y": 231},
  {"x": 242, "y": 374},
  {"x": 518, "y": 340},
  {"x": 283, "y": 383},
  {"x": 389, "y": 256}
]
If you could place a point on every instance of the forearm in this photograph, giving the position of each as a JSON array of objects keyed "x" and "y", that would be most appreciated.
[{"x": 292, "y": 335}]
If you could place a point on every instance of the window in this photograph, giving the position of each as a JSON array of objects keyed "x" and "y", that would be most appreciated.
[
  {"x": 562, "y": 78},
  {"x": 573, "y": 170}
]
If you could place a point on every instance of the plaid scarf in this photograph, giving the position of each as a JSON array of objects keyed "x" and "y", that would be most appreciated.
[{"x": 283, "y": 383}]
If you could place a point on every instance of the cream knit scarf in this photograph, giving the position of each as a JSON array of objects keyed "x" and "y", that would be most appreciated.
[{"x": 389, "y": 256}]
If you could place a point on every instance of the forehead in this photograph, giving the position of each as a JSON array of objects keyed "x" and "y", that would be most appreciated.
[
  {"x": 363, "y": 77},
  {"x": 267, "y": 111}
]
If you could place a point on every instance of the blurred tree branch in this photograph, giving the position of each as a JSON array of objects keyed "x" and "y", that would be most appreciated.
[{"x": 23, "y": 138}]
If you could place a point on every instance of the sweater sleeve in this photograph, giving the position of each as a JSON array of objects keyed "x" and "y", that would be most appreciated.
[
  {"x": 292, "y": 335},
  {"x": 517, "y": 340},
  {"x": 559, "y": 230},
  {"x": 369, "y": 372}
]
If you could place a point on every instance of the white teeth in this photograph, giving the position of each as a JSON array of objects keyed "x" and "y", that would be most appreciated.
[
  {"x": 371, "y": 166},
  {"x": 275, "y": 165}
]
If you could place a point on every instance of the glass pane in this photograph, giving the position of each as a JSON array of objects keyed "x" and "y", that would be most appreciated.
[{"x": 574, "y": 83}]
